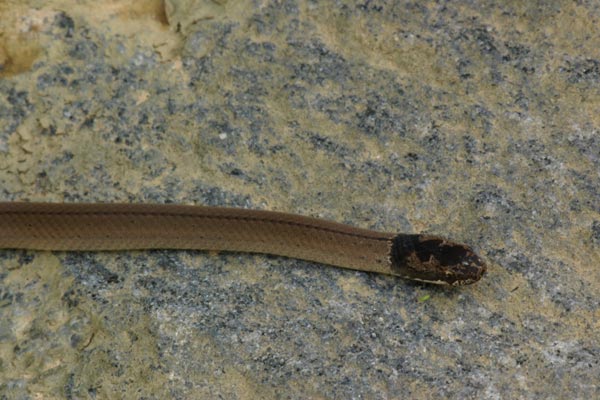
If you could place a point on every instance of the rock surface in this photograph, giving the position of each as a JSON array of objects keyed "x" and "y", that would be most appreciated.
[{"x": 477, "y": 122}]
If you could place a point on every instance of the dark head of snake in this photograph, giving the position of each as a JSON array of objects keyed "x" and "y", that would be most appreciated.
[{"x": 435, "y": 260}]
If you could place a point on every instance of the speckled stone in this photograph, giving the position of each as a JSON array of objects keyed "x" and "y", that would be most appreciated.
[{"x": 475, "y": 121}]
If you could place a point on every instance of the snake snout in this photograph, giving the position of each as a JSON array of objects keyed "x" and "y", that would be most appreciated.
[{"x": 469, "y": 269}]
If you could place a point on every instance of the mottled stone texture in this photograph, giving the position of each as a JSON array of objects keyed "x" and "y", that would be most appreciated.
[{"x": 475, "y": 120}]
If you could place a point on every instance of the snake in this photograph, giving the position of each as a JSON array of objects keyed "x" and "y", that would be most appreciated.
[{"x": 122, "y": 227}]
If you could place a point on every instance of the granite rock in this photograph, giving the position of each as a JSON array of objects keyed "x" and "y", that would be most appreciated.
[{"x": 474, "y": 120}]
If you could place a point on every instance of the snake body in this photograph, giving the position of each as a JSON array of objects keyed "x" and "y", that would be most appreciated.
[{"x": 97, "y": 227}]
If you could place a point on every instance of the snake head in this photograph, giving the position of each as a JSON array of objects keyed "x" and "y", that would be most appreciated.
[{"x": 434, "y": 259}]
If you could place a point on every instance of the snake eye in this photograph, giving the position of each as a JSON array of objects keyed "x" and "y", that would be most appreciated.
[{"x": 436, "y": 260}]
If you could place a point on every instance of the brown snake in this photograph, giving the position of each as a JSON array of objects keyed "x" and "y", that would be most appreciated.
[{"x": 59, "y": 226}]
